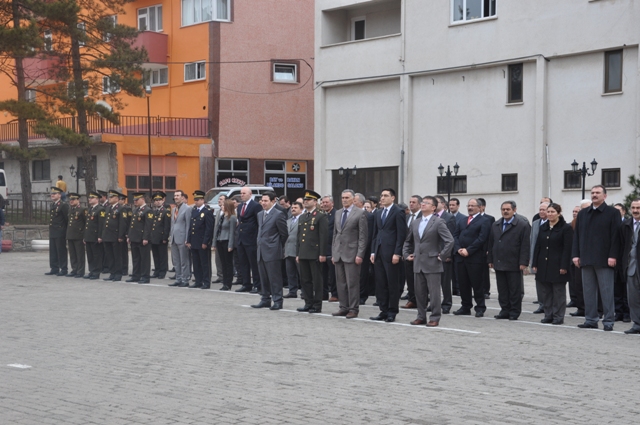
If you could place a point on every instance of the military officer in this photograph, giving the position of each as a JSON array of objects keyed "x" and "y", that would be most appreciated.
[
  {"x": 93, "y": 234},
  {"x": 105, "y": 204},
  {"x": 75, "y": 234},
  {"x": 160, "y": 235},
  {"x": 139, "y": 238},
  {"x": 113, "y": 234},
  {"x": 124, "y": 246},
  {"x": 59, "y": 217},
  {"x": 311, "y": 250},
  {"x": 199, "y": 241}
]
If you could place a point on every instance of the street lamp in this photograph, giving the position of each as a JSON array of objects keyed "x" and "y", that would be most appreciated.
[
  {"x": 347, "y": 173},
  {"x": 77, "y": 174},
  {"x": 584, "y": 171},
  {"x": 147, "y": 89},
  {"x": 447, "y": 174}
]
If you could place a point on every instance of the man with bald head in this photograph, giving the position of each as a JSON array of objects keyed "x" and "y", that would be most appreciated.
[{"x": 248, "y": 241}]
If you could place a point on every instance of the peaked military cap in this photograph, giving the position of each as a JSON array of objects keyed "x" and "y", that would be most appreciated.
[
  {"x": 310, "y": 194},
  {"x": 198, "y": 194}
]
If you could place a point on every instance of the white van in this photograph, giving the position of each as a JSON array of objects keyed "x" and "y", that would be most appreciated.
[
  {"x": 3, "y": 184},
  {"x": 213, "y": 194}
]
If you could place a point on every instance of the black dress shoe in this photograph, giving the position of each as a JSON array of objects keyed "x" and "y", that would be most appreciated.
[
  {"x": 161, "y": 276},
  {"x": 172, "y": 277},
  {"x": 73, "y": 275},
  {"x": 446, "y": 310},
  {"x": 537, "y": 302},
  {"x": 429, "y": 308},
  {"x": 626, "y": 319},
  {"x": 154, "y": 276},
  {"x": 87, "y": 276},
  {"x": 404, "y": 297},
  {"x": 195, "y": 286},
  {"x": 618, "y": 317},
  {"x": 225, "y": 288},
  {"x": 109, "y": 278},
  {"x": 487, "y": 296},
  {"x": 500, "y": 316},
  {"x": 390, "y": 318},
  {"x": 375, "y": 304},
  {"x": 577, "y": 313},
  {"x": 558, "y": 322},
  {"x": 262, "y": 304},
  {"x": 456, "y": 293},
  {"x": 540, "y": 310},
  {"x": 143, "y": 281},
  {"x": 244, "y": 289},
  {"x": 315, "y": 310},
  {"x": 462, "y": 312},
  {"x": 183, "y": 285},
  {"x": 94, "y": 278},
  {"x": 546, "y": 320},
  {"x": 205, "y": 287},
  {"x": 363, "y": 302},
  {"x": 276, "y": 306},
  {"x": 571, "y": 304},
  {"x": 51, "y": 273},
  {"x": 513, "y": 318},
  {"x": 78, "y": 276},
  {"x": 303, "y": 309},
  {"x": 479, "y": 314},
  {"x": 380, "y": 317},
  {"x": 587, "y": 326},
  {"x": 174, "y": 284},
  {"x": 290, "y": 295},
  {"x": 218, "y": 280},
  {"x": 632, "y": 331},
  {"x": 61, "y": 274},
  {"x": 117, "y": 278},
  {"x": 132, "y": 280},
  {"x": 608, "y": 328},
  {"x": 253, "y": 290}
]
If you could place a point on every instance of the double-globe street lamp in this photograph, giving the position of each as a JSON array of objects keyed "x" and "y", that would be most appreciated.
[
  {"x": 584, "y": 171},
  {"x": 347, "y": 173},
  {"x": 448, "y": 174},
  {"x": 147, "y": 89},
  {"x": 77, "y": 174}
]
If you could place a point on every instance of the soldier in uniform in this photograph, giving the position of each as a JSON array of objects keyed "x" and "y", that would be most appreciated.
[
  {"x": 75, "y": 234},
  {"x": 160, "y": 235},
  {"x": 113, "y": 234},
  {"x": 139, "y": 238},
  {"x": 311, "y": 251},
  {"x": 124, "y": 246},
  {"x": 105, "y": 204},
  {"x": 199, "y": 241},
  {"x": 93, "y": 235},
  {"x": 57, "y": 234}
]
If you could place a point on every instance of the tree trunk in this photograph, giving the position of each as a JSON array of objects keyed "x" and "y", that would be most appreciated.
[{"x": 89, "y": 183}]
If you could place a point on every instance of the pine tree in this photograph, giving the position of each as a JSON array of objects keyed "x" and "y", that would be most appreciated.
[{"x": 635, "y": 194}]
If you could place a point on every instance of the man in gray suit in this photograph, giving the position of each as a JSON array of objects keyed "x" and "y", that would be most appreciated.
[
  {"x": 535, "y": 228},
  {"x": 180, "y": 222},
  {"x": 272, "y": 236},
  {"x": 218, "y": 218},
  {"x": 428, "y": 243},
  {"x": 350, "y": 226},
  {"x": 293, "y": 274}
]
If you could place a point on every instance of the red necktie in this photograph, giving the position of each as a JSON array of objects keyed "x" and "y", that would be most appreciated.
[
  {"x": 469, "y": 219},
  {"x": 244, "y": 207}
]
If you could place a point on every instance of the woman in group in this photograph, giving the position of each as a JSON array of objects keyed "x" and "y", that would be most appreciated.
[
  {"x": 225, "y": 242},
  {"x": 551, "y": 262}
]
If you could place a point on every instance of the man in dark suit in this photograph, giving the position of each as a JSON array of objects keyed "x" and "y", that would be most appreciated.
[
  {"x": 112, "y": 234},
  {"x": 460, "y": 219},
  {"x": 629, "y": 234},
  {"x": 311, "y": 252},
  {"x": 447, "y": 263},
  {"x": 486, "y": 280},
  {"x": 93, "y": 235},
  {"x": 470, "y": 258},
  {"x": 509, "y": 256},
  {"x": 414, "y": 212},
  {"x": 75, "y": 234},
  {"x": 124, "y": 246},
  {"x": 272, "y": 235},
  {"x": 139, "y": 237},
  {"x": 329, "y": 291},
  {"x": 59, "y": 217},
  {"x": 367, "y": 283},
  {"x": 199, "y": 241},
  {"x": 389, "y": 232},
  {"x": 247, "y": 241},
  {"x": 160, "y": 235}
]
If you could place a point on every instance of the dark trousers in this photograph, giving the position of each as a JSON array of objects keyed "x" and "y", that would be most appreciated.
[
  {"x": 510, "y": 293},
  {"x": 455, "y": 289},
  {"x": 576, "y": 283},
  {"x": 95, "y": 253},
  {"x": 408, "y": 272},
  {"x": 620, "y": 294},
  {"x": 486, "y": 280},
  {"x": 160, "y": 259},
  {"x": 283, "y": 272},
  {"x": 248, "y": 259},
  {"x": 58, "y": 254},
  {"x": 114, "y": 258},
  {"x": 105, "y": 260},
  {"x": 236, "y": 266},
  {"x": 445, "y": 283},
  {"x": 311, "y": 282},
  {"x": 124, "y": 252},
  {"x": 141, "y": 259},
  {"x": 367, "y": 286},
  {"x": 329, "y": 279},
  {"x": 201, "y": 269},
  {"x": 271, "y": 280},
  {"x": 554, "y": 299},
  {"x": 293, "y": 274},
  {"x": 76, "y": 255},
  {"x": 402, "y": 275},
  {"x": 470, "y": 279},
  {"x": 226, "y": 260},
  {"x": 387, "y": 288}
]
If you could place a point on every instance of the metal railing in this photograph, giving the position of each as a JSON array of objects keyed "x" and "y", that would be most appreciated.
[
  {"x": 40, "y": 212},
  {"x": 128, "y": 126}
]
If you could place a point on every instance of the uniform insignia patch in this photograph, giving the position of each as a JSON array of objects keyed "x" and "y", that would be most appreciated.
[
  {"x": 102, "y": 214},
  {"x": 201, "y": 215},
  {"x": 150, "y": 215}
]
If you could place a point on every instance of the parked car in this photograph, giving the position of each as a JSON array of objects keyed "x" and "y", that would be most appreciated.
[
  {"x": 3, "y": 188},
  {"x": 213, "y": 194}
]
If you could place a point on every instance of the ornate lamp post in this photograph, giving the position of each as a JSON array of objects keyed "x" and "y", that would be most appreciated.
[
  {"x": 347, "y": 173},
  {"x": 584, "y": 171},
  {"x": 448, "y": 174}
]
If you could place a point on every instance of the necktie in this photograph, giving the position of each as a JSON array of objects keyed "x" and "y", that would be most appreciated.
[
  {"x": 504, "y": 226},
  {"x": 244, "y": 208},
  {"x": 384, "y": 215},
  {"x": 469, "y": 219},
  {"x": 344, "y": 218},
  {"x": 175, "y": 213},
  {"x": 411, "y": 220}
]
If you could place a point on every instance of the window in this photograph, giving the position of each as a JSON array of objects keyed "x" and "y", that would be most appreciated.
[
  {"x": 196, "y": 11},
  {"x": 469, "y": 10},
  {"x": 285, "y": 73},
  {"x": 158, "y": 77},
  {"x": 232, "y": 172},
  {"x": 83, "y": 33},
  {"x": 286, "y": 177},
  {"x": 458, "y": 184},
  {"x": 30, "y": 95},
  {"x": 41, "y": 170},
  {"x": 515, "y": 83},
  {"x": 71, "y": 89},
  {"x": 112, "y": 21},
  {"x": 613, "y": 71},
  {"x": 48, "y": 40},
  {"x": 109, "y": 85},
  {"x": 509, "y": 182},
  {"x": 164, "y": 172},
  {"x": 194, "y": 71},
  {"x": 358, "y": 28},
  {"x": 572, "y": 180},
  {"x": 150, "y": 18},
  {"x": 611, "y": 177}
]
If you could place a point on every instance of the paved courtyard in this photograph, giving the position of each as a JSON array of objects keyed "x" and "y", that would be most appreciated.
[{"x": 74, "y": 351}]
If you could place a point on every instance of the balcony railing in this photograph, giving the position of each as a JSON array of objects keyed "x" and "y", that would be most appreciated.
[{"x": 128, "y": 126}]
